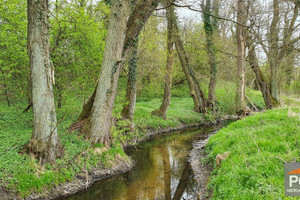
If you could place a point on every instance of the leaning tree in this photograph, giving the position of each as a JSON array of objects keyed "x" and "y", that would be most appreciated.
[{"x": 96, "y": 117}]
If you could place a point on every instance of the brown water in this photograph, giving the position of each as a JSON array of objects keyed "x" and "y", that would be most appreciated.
[{"x": 162, "y": 171}]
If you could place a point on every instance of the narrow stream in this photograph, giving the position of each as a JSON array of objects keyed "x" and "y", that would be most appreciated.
[{"x": 162, "y": 171}]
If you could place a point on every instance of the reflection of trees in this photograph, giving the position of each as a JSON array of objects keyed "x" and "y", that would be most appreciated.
[
  {"x": 182, "y": 182},
  {"x": 146, "y": 183},
  {"x": 161, "y": 171},
  {"x": 167, "y": 171}
]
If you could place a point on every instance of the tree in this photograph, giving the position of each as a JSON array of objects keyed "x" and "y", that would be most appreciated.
[
  {"x": 97, "y": 111},
  {"x": 98, "y": 124},
  {"x": 162, "y": 111},
  {"x": 210, "y": 26},
  {"x": 241, "y": 59},
  {"x": 45, "y": 143},
  {"x": 264, "y": 86},
  {"x": 131, "y": 89},
  {"x": 278, "y": 43},
  {"x": 195, "y": 90}
]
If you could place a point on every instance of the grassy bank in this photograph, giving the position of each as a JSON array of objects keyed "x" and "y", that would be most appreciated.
[
  {"x": 258, "y": 146},
  {"x": 19, "y": 172}
]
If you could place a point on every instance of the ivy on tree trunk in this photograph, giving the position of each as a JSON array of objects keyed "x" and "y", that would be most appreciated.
[
  {"x": 210, "y": 26},
  {"x": 130, "y": 98}
]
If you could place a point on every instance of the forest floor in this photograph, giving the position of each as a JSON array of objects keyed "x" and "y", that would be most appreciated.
[
  {"x": 21, "y": 173},
  {"x": 258, "y": 147}
]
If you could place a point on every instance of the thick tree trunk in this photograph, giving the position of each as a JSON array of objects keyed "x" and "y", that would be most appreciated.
[
  {"x": 162, "y": 111},
  {"x": 209, "y": 27},
  {"x": 195, "y": 90},
  {"x": 273, "y": 53},
  {"x": 98, "y": 124},
  {"x": 97, "y": 112},
  {"x": 45, "y": 143},
  {"x": 129, "y": 106},
  {"x": 264, "y": 86},
  {"x": 241, "y": 60}
]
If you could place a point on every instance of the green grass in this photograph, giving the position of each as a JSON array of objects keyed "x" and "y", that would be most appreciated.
[
  {"x": 22, "y": 173},
  {"x": 258, "y": 146}
]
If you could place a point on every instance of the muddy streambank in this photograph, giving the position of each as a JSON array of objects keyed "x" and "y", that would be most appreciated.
[
  {"x": 84, "y": 180},
  {"x": 201, "y": 171}
]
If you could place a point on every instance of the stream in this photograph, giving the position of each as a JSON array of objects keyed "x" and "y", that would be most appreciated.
[{"x": 161, "y": 171}]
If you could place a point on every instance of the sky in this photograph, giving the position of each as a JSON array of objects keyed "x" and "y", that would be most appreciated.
[{"x": 187, "y": 14}]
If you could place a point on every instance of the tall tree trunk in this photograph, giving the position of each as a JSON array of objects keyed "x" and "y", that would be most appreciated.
[
  {"x": 210, "y": 26},
  {"x": 45, "y": 143},
  {"x": 273, "y": 52},
  {"x": 162, "y": 111},
  {"x": 97, "y": 111},
  {"x": 195, "y": 90},
  {"x": 129, "y": 106},
  {"x": 241, "y": 60},
  {"x": 98, "y": 124},
  {"x": 264, "y": 86}
]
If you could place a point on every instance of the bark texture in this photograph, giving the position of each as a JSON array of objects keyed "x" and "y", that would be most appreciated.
[
  {"x": 195, "y": 90},
  {"x": 45, "y": 143},
  {"x": 129, "y": 106},
  {"x": 98, "y": 124},
  {"x": 241, "y": 59},
  {"x": 137, "y": 20},
  {"x": 273, "y": 52},
  {"x": 162, "y": 111}
]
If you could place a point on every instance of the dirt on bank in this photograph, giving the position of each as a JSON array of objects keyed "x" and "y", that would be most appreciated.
[{"x": 200, "y": 170}]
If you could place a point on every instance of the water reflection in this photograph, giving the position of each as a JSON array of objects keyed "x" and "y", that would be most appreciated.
[{"x": 161, "y": 173}]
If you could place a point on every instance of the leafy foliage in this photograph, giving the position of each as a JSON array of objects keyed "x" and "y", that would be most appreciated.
[{"x": 14, "y": 71}]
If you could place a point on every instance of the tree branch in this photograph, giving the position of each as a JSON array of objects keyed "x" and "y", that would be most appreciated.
[{"x": 203, "y": 12}]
